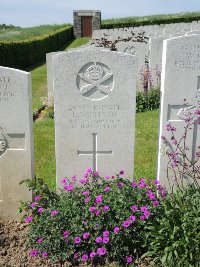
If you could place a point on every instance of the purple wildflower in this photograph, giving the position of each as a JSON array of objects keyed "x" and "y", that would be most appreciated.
[
  {"x": 87, "y": 199},
  {"x": 134, "y": 208},
  {"x": 39, "y": 241},
  {"x": 44, "y": 254},
  {"x": 98, "y": 239},
  {"x": 116, "y": 230},
  {"x": 40, "y": 210},
  {"x": 129, "y": 259},
  {"x": 37, "y": 198},
  {"x": 121, "y": 172},
  {"x": 107, "y": 177},
  {"x": 98, "y": 212},
  {"x": 155, "y": 203},
  {"x": 86, "y": 235},
  {"x": 99, "y": 199},
  {"x": 106, "y": 208},
  {"x": 86, "y": 193},
  {"x": 106, "y": 233},
  {"x": 92, "y": 209},
  {"x": 106, "y": 189},
  {"x": 54, "y": 213},
  {"x": 84, "y": 257},
  {"x": 120, "y": 184},
  {"x": 93, "y": 254},
  {"x": 126, "y": 224},
  {"x": 147, "y": 213},
  {"x": 64, "y": 181},
  {"x": 69, "y": 187},
  {"x": 76, "y": 255},
  {"x": 142, "y": 218},
  {"x": 105, "y": 239},
  {"x": 101, "y": 251},
  {"x": 33, "y": 253},
  {"x": 77, "y": 240},
  {"x": 132, "y": 218},
  {"x": 33, "y": 205},
  {"x": 65, "y": 233},
  {"x": 143, "y": 208},
  {"x": 28, "y": 219},
  {"x": 134, "y": 184}
]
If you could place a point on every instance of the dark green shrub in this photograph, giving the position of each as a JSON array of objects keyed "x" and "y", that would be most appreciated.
[
  {"x": 174, "y": 238},
  {"x": 93, "y": 219},
  {"x": 23, "y": 54},
  {"x": 147, "y": 101}
]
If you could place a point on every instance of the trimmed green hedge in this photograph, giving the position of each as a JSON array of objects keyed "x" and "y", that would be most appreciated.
[
  {"x": 150, "y": 21},
  {"x": 23, "y": 54}
]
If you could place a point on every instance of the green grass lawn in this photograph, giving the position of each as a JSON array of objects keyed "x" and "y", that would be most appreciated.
[{"x": 19, "y": 34}]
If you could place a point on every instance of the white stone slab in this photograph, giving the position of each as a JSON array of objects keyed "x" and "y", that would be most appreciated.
[
  {"x": 180, "y": 80},
  {"x": 94, "y": 112},
  {"x": 16, "y": 139},
  {"x": 138, "y": 50}
]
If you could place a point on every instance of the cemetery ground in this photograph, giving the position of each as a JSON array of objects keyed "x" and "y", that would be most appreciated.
[{"x": 14, "y": 232}]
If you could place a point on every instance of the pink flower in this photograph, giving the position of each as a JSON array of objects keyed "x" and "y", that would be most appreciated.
[
  {"x": 142, "y": 185},
  {"x": 86, "y": 193},
  {"x": 99, "y": 199},
  {"x": 129, "y": 259},
  {"x": 120, "y": 184},
  {"x": 107, "y": 188},
  {"x": 106, "y": 233},
  {"x": 116, "y": 230},
  {"x": 76, "y": 255},
  {"x": 28, "y": 219},
  {"x": 64, "y": 181},
  {"x": 84, "y": 257},
  {"x": 39, "y": 241},
  {"x": 65, "y": 233},
  {"x": 134, "y": 208},
  {"x": 107, "y": 177},
  {"x": 44, "y": 254},
  {"x": 95, "y": 174},
  {"x": 33, "y": 205},
  {"x": 132, "y": 218},
  {"x": 147, "y": 213},
  {"x": 121, "y": 172},
  {"x": 87, "y": 199},
  {"x": 93, "y": 254},
  {"x": 86, "y": 235},
  {"x": 105, "y": 239},
  {"x": 83, "y": 181},
  {"x": 54, "y": 213},
  {"x": 101, "y": 251},
  {"x": 77, "y": 240},
  {"x": 143, "y": 208},
  {"x": 40, "y": 210},
  {"x": 74, "y": 178},
  {"x": 89, "y": 170},
  {"x": 33, "y": 253},
  {"x": 126, "y": 224},
  {"x": 37, "y": 198},
  {"x": 98, "y": 212},
  {"x": 69, "y": 187},
  {"x": 92, "y": 209},
  {"x": 106, "y": 208},
  {"x": 134, "y": 184},
  {"x": 156, "y": 203},
  {"x": 142, "y": 218},
  {"x": 99, "y": 239}
]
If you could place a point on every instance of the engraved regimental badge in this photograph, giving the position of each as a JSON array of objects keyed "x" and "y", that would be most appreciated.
[{"x": 95, "y": 81}]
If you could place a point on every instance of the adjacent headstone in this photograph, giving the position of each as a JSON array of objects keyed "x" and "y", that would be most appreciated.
[
  {"x": 16, "y": 139},
  {"x": 136, "y": 49},
  {"x": 180, "y": 80},
  {"x": 94, "y": 98},
  {"x": 50, "y": 76}
]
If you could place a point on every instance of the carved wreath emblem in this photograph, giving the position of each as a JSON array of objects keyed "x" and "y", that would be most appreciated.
[
  {"x": 95, "y": 81},
  {"x": 3, "y": 142},
  {"x": 130, "y": 50}
]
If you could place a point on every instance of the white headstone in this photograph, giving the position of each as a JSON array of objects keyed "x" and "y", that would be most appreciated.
[
  {"x": 180, "y": 80},
  {"x": 135, "y": 49},
  {"x": 16, "y": 139},
  {"x": 94, "y": 112}
]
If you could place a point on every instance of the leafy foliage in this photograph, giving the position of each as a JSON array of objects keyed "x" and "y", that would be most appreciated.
[
  {"x": 147, "y": 101},
  {"x": 174, "y": 238},
  {"x": 93, "y": 219}
]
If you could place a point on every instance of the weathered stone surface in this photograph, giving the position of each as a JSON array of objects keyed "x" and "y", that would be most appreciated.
[
  {"x": 16, "y": 139},
  {"x": 180, "y": 80},
  {"x": 94, "y": 112}
]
